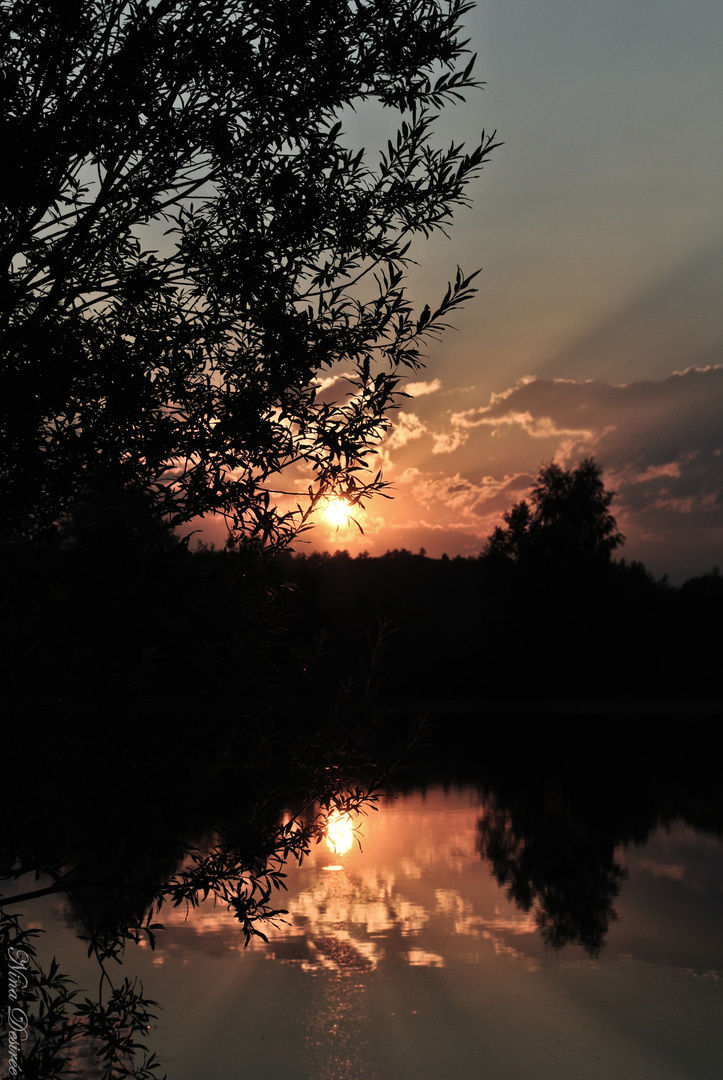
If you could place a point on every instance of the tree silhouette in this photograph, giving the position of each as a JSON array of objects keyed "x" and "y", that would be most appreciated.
[
  {"x": 189, "y": 239},
  {"x": 567, "y": 520},
  {"x": 557, "y": 860}
]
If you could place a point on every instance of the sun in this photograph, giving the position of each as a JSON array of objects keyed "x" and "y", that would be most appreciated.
[
  {"x": 337, "y": 512},
  {"x": 339, "y": 832}
]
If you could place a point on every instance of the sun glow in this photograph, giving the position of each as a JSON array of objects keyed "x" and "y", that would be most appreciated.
[
  {"x": 337, "y": 512},
  {"x": 339, "y": 832}
]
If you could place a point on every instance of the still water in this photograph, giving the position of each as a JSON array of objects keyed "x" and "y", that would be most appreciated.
[{"x": 406, "y": 957}]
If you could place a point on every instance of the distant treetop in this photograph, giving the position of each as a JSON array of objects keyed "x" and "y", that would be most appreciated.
[{"x": 566, "y": 521}]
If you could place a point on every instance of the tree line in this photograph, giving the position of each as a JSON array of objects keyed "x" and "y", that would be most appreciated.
[{"x": 544, "y": 612}]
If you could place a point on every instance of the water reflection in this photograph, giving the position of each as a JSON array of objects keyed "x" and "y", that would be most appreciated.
[
  {"x": 113, "y": 893},
  {"x": 567, "y": 876},
  {"x": 453, "y": 926},
  {"x": 413, "y": 961},
  {"x": 418, "y": 892},
  {"x": 340, "y": 832}
]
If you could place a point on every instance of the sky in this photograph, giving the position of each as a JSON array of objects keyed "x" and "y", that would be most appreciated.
[
  {"x": 598, "y": 324},
  {"x": 597, "y": 329}
]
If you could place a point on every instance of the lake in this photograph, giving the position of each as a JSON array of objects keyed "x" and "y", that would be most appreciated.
[{"x": 465, "y": 932}]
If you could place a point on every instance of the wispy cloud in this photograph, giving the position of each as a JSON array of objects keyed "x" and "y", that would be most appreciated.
[
  {"x": 407, "y": 427},
  {"x": 660, "y": 444},
  {"x": 446, "y": 442},
  {"x": 419, "y": 389}
]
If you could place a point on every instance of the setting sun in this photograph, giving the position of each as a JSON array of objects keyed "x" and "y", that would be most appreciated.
[{"x": 337, "y": 512}]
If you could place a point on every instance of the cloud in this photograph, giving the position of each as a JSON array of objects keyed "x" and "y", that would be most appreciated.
[
  {"x": 447, "y": 442},
  {"x": 428, "y": 490},
  {"x": 649, "y": 425},
  {"x": 660, "y": 444},
  {"x": 454, "y": 504},
  {"x": 540, "y": 427},
  {"x": 419, "y": 389},
  {"x": 407, "y": 427},
  {"x": 339, "y": 382}
]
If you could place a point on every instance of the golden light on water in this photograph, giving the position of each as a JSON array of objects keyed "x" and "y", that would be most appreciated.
[{"x": 339, "y": 832}]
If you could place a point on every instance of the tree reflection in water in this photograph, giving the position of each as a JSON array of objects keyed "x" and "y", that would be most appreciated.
[
  {"x": 228, "y": 837},
  {"x": 553, "y": 864},
  {"x": 554, "y": 825},
  {"x": 244, "y": 869},
  {"x": 122, "y": 836}
]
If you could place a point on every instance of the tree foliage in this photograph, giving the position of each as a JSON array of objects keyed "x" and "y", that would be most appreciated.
[
  {"x": 189, "y": 241},
  {"x": 567, "y": 520}
]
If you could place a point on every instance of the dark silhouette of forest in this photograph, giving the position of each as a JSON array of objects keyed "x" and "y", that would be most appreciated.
[
  {"x": 472, "y": 628},
  {"x": 543, "y": 614}
]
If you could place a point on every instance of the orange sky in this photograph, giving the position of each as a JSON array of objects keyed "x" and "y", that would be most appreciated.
[
  {"x": 598, "y": 324},
  {"x": 599, "y": 321}
]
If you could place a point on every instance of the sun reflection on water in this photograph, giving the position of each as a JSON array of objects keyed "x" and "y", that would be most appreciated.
[{"x": 339, "y": 832}]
